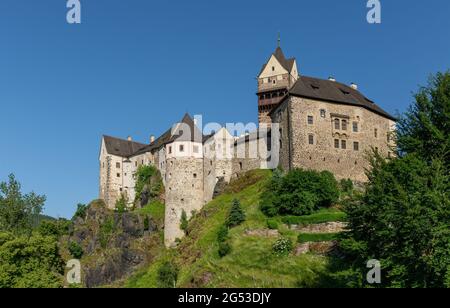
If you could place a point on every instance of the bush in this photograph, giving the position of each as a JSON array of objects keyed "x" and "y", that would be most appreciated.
[
  {"x": 167, "y": 275},
  {"x": 300, "y": 192},
  {"x": 54, "y": 228},
  {"x": 75, "y": 250},
  {"x": 282, "y": 247},
  {"x": 236, "y": 215},
  {"x": 346, "y": 186},
  {"x": 81, "y": 211},
  {"x": 222, "y": 234},
  {"x": 184, "y": 221},
  {"x": 121, "y": 204},
  {"x": 272, "y": 224},
  {"x": 224, "y": 249}
]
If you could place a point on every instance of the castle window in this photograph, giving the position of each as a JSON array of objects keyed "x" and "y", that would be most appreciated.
[
  {"x": 375, "y": 133},
  {"x": 311, "y": 139},
  {"x": 336, "y": 143},
  {"x": 344, "y": 144},
  {"x": 195, "y": 175},
  {"x": 240, "y": 165},
  {"x": 356, "y": 146},
  {"x": 273, "y": 68},
  {"x": 181, "y": 148},
  {"x": 323, "y": 113},
  {"x": 195, "y": 148},
  {"x": 337, "y": 124},
  {"x": 281, "y": 132},
  {"x": 344, "y": 124},
  {"x": 135, "y": 163},
  {"x": 118, "y": 165},
  {"x": 170, "y": 149},
  {"x": 281, "y": 144},
  {"x": 118, "y": 175},
  {"x": 355, "y": 127},
  {"x": 310, "y": 120},
  {"x": 274, "y": 81}
]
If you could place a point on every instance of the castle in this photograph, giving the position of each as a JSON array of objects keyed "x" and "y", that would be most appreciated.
[{"x": 304, "y": 122}]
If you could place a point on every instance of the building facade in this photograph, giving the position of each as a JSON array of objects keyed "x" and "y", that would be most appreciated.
[{"x": 312, "y": 124}]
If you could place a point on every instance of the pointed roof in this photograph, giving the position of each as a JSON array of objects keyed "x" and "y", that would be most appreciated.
[
  {"x": 287, "y": 64},
  {"x": 195, "y": 135}
]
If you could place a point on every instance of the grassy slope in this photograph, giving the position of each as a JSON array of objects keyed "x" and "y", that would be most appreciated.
[{"x": 251, "y": 262}]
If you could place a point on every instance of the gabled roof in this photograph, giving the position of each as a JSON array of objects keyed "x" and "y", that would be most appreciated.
[
  {"x": 195, "y": 135},
  {"x": 287, "y": 64},
  {"x": 332, "y": 91},
  {"x": 121, "y": 147}
]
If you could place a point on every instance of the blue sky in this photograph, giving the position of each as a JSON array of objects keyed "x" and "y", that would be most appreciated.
[{"x": 134, "y": 67}]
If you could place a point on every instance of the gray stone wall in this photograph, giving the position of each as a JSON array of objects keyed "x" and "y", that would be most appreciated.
[
  {"x": 184, "y": 191},
  {"x": 322, "y": 154}
]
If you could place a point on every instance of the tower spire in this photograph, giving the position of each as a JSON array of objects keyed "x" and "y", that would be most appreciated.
[{"x": 279, "y": 39}]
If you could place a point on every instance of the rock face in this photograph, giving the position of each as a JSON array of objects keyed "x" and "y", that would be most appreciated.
[
  {"x": 316, "y": 247},
  {"x": 114, "y": 244}
]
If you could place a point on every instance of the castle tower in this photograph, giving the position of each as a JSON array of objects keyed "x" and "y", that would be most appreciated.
[
  {"x": 277, "y": 76},
  {"x": 184, "y": 177}
]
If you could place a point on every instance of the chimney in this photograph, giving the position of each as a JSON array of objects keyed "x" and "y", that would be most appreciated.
[
  {"x": 331, "y": 78},
  {"x": 129, "y": 138},
  {"x": 152, "y": 139},
  {"x": 354, "y": 86}
]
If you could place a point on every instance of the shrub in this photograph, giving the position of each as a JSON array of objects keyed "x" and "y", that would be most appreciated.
[
  {"x": 282, "y": 247},
  {"x": 272, "y": 224},
  {"x": 184, "y": 221},
  {"x": 236, "y": 215},
  {"x": 54, "y": 228},
  {"x": 81, "y": 211},
  {"x": 346, "y": 186},
  {"x": 300, "y": 192},
  {"x": 167, "y": 275},
  {"x": 75, "y": 250},
  {"x": 222, "y": 234},
  {"x": 121, "y": 204},
  {"x": 224, "y": 249}
]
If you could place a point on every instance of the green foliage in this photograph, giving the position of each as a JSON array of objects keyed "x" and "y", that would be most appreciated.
[
  {"x": 402, "y": 220},
  {"x": 76, "y": 250},
  {"x": 321, "y": 216},
  {"x": 30, "y": 262},
  {"x": 299, "y": 192},
  {"x": 121, "y": 204},
  {"x": 222, "y": 234},
  {"x": 55, "y": 228},
  {"x": 81, "y": 211},
  {"x": 283, "y": 247},
  {"x": 18, "y": 212},
  {"x": 107, "y": 229},
  {"x": 236, "y": 215},
  {"x": 167, "y": 275},
  {"x": 346, "y": 186},
  {"x": 184, "y": 221},
  {"x": 224, "y": 249},
  {"x": 316, "y": 237},
  {"x": 272, "y": 224},
  {"x": 148, "y": 175},
  {"x": 425, "y": 128}
]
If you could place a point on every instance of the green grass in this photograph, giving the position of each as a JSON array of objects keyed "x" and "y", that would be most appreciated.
[
  {"x": 322, "y": 216},
  {"x": 155, "y": 209},
  {"x": 316, "y": 237}
]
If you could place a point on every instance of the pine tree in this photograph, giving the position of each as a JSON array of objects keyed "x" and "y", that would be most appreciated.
[{"x": 236, "y": 215}]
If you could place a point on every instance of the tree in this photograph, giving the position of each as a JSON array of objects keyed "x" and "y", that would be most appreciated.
[
  {"x": 236, "y": 215},
  {"x": 424, "y": 129},
  {"x": 403, "y": 217},
  {"x": 55, "y": 228},
  {"x": 121, "y": 204},
  {"x": 81, "y": 211},
  {"x": 18, "y": 212},
  {"x": 30, "y": 262}
]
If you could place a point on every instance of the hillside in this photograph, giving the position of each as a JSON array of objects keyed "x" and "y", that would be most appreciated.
[{"x": 251, "y": 262}]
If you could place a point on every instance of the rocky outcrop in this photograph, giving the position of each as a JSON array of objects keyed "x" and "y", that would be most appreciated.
[
  {"x": 322, "y": 248},
  {"x": 114, "y": 244},
  {"x": 327, "y": 227}
]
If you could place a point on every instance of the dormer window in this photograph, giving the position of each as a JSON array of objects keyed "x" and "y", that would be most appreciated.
[{"x": 273, "y": 68}]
